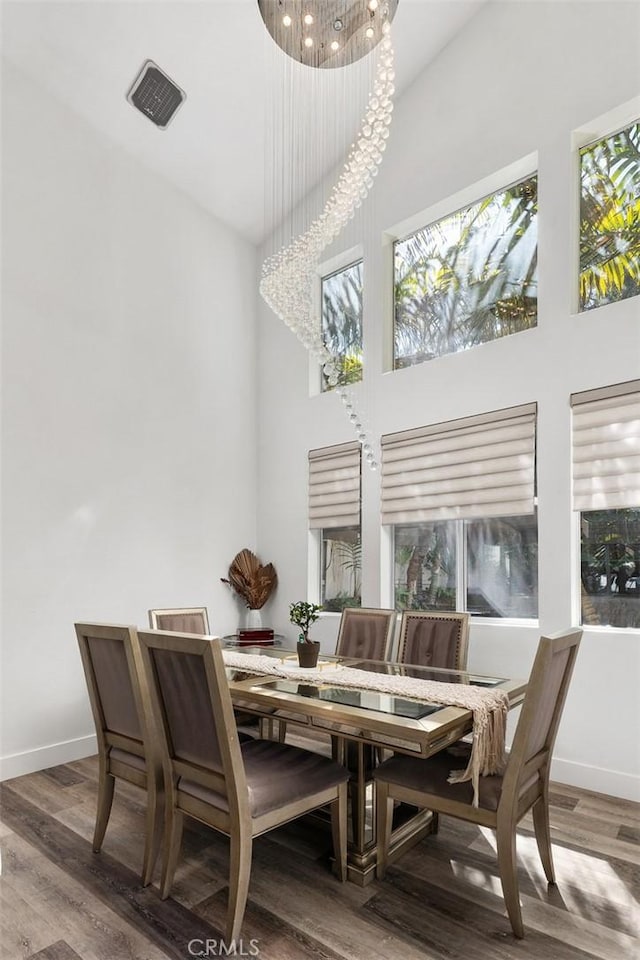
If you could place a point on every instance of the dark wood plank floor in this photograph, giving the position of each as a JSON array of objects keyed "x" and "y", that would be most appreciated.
[{"x": 441, "y": 901}]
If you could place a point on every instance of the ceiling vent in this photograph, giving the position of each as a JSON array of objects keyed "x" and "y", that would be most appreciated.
[{"x": 155, "y": 94}]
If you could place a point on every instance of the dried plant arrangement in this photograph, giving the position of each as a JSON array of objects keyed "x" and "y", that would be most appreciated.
[{"x": 250, "y": 580}]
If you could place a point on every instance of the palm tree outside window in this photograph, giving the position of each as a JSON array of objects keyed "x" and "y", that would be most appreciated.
[
  {"x": 468, "y": 278},
  {"x": 342, "y": 321},
  {"x": 610, "y": 219}
]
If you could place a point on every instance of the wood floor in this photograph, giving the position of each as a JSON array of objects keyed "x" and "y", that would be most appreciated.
[{"x": 59, "y": 901}]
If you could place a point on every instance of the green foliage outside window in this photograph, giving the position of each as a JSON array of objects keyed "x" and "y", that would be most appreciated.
[
  {"x": 425, "y": 566},
  {"x": 610, "y": 567},
  {"x": 341, "y": 568},
  {"x": 500, "y": 577},
  {"x": 342, "y": 322},
  {"x": 610, "y": 219},
  {"x": 468, "y": 278}
]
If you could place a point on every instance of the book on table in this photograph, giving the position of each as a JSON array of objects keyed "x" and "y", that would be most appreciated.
[{"x": 256, "y": 636}]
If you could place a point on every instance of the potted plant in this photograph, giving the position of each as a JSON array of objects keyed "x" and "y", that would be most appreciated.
[{"x": 303, "y": 614}]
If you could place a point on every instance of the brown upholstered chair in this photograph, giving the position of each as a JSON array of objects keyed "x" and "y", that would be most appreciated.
[
  {"x": 121, "y": 712},
  {"x": 242, "y": 790},
  {"x": 195, "y": 620},
  {"x": 434, "y": 639},
  {"x": 366, "y": 633},
  {"x": 181, "y": 620},
  {"x": 503, "y": 800}
]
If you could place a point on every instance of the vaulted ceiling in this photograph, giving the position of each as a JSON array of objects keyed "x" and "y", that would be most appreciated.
[{"x": 87, "y": 53}]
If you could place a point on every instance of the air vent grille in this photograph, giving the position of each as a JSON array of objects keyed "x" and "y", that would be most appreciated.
[{"x": 155, "y": 94}]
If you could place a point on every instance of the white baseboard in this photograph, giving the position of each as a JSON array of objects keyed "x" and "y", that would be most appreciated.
[
  {"x": 598, "y": 779},
  {"x": 18, "y": 764}
]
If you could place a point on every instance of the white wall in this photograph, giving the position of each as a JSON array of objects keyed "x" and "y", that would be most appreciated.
[
  {"x": 519, "y": 80},
  {"x": 128, "y": 410}
]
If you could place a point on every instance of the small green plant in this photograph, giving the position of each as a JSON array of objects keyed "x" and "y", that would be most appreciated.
[{"x": 303, "y": 614}]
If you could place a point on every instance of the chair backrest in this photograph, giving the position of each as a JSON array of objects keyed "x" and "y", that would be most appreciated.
[
  {"x": 181, "y": 620},
  {"x": 366, "y": 633},
  {"x": 434, "y": 639},
  {"x": 193, "y": 713},
  {"x": 542, "y": 708},
  {"x": 117, "y": 692}
]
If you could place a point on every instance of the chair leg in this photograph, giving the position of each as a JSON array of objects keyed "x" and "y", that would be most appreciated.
[
  {"x": 435, "y": 822},
  {"x": 543, "y": 836},
  {"x": 384, "y": 817},
  {"x": 339, "y": 832},
  {"x": 106, "y": 784},
  {"x": 239, "y": 874},
  {"x": 507, "y": 867},
  {"x": 174, "y": 821},
  {"x": 153, "y": 831}
]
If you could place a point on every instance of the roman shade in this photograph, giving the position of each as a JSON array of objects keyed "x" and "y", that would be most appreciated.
[
  {"x": 480, "y": 466},
  {"x": 334, "y": 486},
  {"x": 606, "y": 447}
]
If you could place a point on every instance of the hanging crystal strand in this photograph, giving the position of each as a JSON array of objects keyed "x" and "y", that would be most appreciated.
[{"x": 288, "y": 276}]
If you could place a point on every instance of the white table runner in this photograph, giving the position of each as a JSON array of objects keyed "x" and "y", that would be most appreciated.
[{"x": 489, "y": 706}]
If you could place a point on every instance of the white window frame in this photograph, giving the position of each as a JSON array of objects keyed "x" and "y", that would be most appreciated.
[
  {"x": 314, "y": 545},
  {"x": 514, "y": 172},
  {"x": 388, "y": 535},
  {"x": 597, "y": 129},
  {"x": 576, "y": 544},
  {"x": 326, "y": 269}
]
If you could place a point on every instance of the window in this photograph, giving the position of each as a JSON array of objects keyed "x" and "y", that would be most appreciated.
[
  {"x": 460, "y": 499},
  {"x": 468, "y": 278},
  {"x": 502, "y": 567},
  {"x": 606, "y": 494},
  {"x": 498, "y": 576},
  {"x": 425, "y": 566},
  {"x": 334, "y": 511},
  {"x": 342, "y": 322},
  {"x": 610, "y": 219},
  {"x": 341, "y": 569},
  {"x": 610, "y": 567}
]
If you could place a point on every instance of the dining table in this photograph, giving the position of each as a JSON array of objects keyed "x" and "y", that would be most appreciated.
[{"x": 362, "y": 725}]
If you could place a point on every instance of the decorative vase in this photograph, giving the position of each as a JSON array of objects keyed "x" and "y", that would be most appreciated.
[
  {"x": 253, "y": 619},
  {"x": 308, "y": 653}
]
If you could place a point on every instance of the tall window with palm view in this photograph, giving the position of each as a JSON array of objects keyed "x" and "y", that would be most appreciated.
[
  {"x": 610, "y": 219},
  {"x": 341, "y": 569},
  {"x": 610, "y": 567},
  {"x": 342, "y": 321},
  {"x": 459, "y": 498},
  {"x": 468, "y": 278}
]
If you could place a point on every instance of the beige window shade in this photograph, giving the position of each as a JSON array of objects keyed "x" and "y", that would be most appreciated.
[
  {"x": 476, "y": 467},
  {"x": 334, "y": 486},
  {"x": 606, "y": 447}
]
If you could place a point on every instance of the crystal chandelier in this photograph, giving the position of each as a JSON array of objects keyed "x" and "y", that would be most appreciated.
[{"x": 331, "y": 33}]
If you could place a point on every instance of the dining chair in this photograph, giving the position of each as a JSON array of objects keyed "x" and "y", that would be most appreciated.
[
  {"x": 122, "y": 715},
  {"x": 196, "y": 620},
  {"x": 366, "y": 633},
  {"x": 503, "y": 800},
  {"x": 241, "y": 789},
  {"x": 434, "y": 639},
  {"x": 181, "y": 619}
]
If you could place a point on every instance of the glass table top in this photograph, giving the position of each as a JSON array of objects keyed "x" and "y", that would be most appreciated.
[
  {"x": 371, "y": 700},
  {"x": 363, "y": 699}
]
